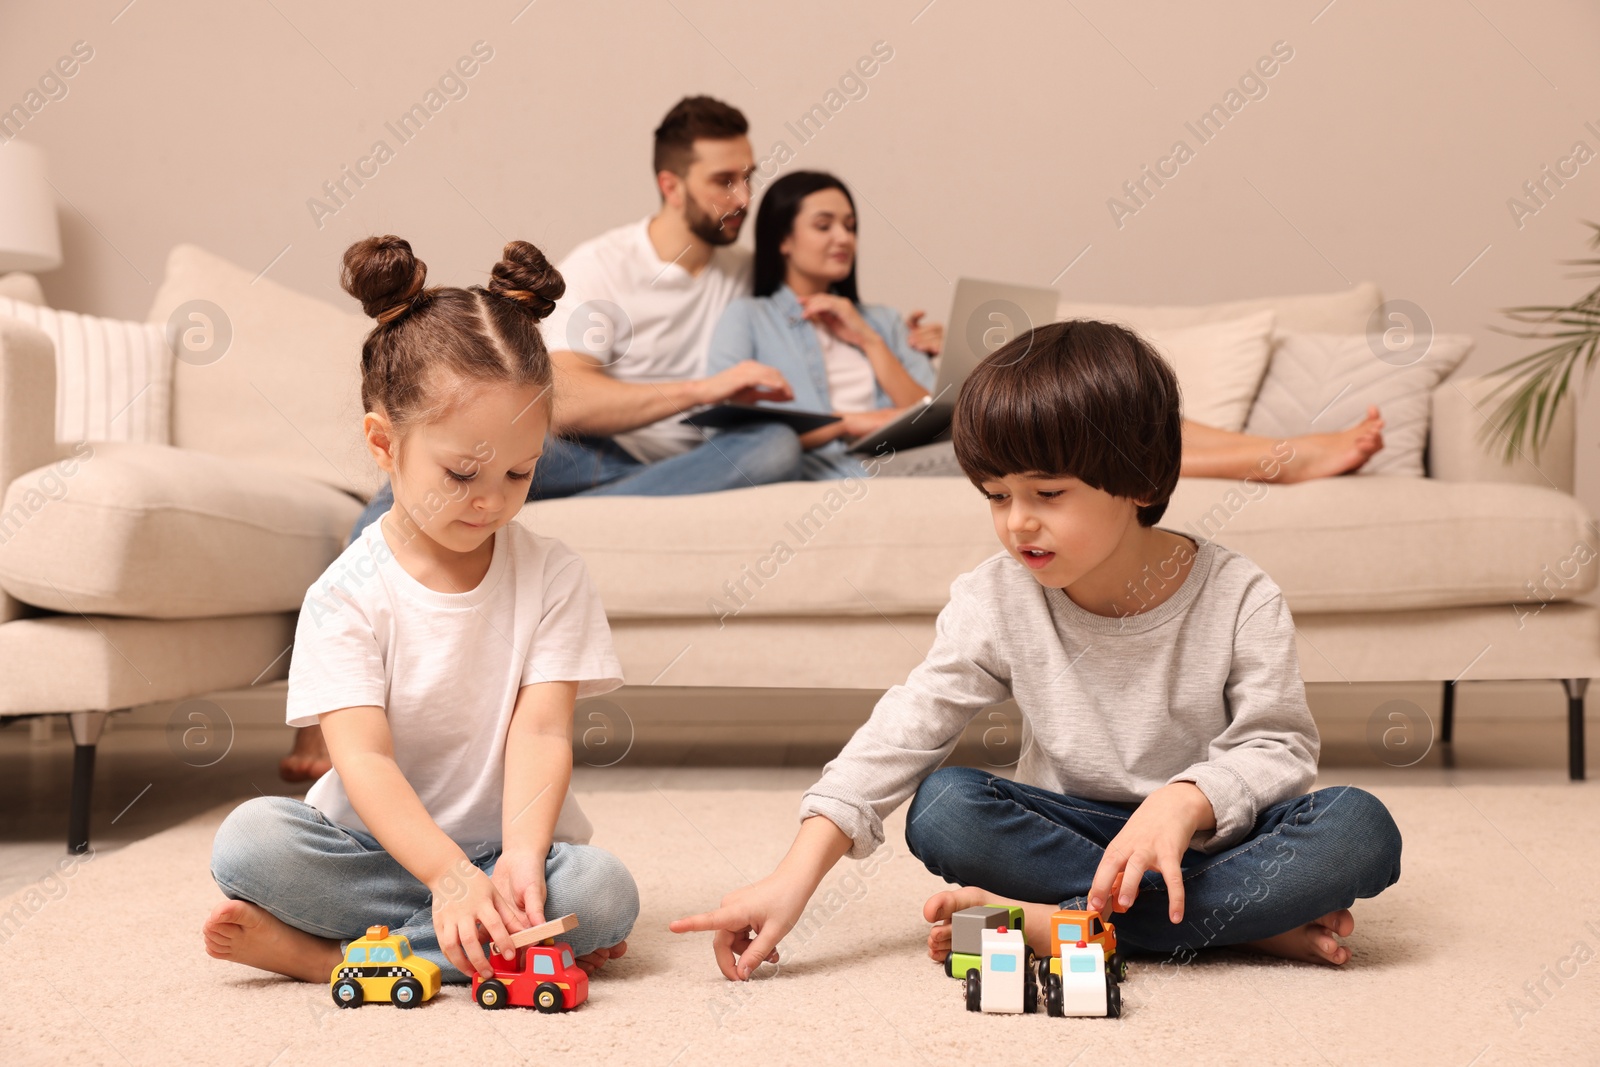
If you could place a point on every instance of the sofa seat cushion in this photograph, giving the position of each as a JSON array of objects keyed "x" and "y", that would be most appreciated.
[
  {"x": 892, "y": 546},
  {"x": 152, "y": 531}
]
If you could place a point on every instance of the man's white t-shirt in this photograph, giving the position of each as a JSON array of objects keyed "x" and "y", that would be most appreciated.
[
  {"x": 447, "y": 667},
  {"x": 644, "y": 319}
]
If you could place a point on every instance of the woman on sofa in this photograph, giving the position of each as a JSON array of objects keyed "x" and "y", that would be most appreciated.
[{"x": 807, "y": 320}]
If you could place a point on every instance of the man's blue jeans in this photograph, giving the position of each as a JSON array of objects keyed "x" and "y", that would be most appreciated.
[
  {"x": 593, "y": 466},
  {"x": 1303, "y": 858},
  {"x": 334, "y": 881}
]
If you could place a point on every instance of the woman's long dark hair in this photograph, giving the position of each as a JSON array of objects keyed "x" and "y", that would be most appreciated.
[{"x": 775, "y": 221}]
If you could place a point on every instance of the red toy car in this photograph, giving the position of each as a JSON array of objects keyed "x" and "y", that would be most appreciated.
[{"x": 539, "y": 976}]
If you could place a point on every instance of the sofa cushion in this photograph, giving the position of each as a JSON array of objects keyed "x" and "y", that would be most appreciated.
[
  {"x": 1345, "y": 312},
  {"x": 113, "y": 378},
  {"x": 1219, "y": 366},
  {"x": 285, "y": 390},
  {"x": 1320, "y": 382},
  {"x": 891, "y": 546},
  {"x": 165, "y": 533}
]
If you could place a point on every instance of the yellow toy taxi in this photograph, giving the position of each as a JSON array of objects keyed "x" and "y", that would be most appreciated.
[{"x": 381, "y": 966}]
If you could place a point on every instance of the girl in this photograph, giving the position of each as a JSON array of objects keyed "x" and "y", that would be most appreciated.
[
  {"x": 441, "y": 653},
  {"x": 807, "y": 320}
]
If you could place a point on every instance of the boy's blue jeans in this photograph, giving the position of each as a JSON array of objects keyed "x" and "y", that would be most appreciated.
[
  {"x": 333, "y": 881},
  {"x": 1304, "y": 857}
]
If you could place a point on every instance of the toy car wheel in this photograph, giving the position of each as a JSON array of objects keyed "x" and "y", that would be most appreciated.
[
  {"x": 1053, "y": 1005},
  {"x": 407, "y": 993},
  {"x": 1113, "y": 999},
  {"x": 974, "y": 991},
  {"x": 948, "y": 961},
  {"x": 491, "y": 993},
  {"x": 1030, "y": 993},
  {"x": 547, "y": 997},
  {"x": 347, "y": 993},
  {"x": 1117, "y": 967}
]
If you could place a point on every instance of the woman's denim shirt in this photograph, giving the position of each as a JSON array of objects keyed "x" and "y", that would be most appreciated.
[{"x": 770, "y": 330}]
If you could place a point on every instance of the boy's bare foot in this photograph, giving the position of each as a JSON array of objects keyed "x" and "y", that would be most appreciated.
[
  {"x": 245, "y": 933},
  {"x": 1315, "y": 942},
  {"x": 940, "y": 906},
  {"x": 308, "y": 759},
  {"x": 1323, "y": 455},
  {"x": 593, "y": 961}
]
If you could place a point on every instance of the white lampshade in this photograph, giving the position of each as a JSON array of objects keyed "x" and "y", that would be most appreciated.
[{"x": 29, "y": 237}]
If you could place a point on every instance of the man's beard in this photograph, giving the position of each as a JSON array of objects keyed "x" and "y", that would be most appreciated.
[{"x": 708, "y": 227}]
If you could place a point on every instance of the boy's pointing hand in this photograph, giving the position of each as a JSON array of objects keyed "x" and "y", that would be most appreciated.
[
  {"x": 1155, "y": 837},
  {"x": 749, "y": 924}
]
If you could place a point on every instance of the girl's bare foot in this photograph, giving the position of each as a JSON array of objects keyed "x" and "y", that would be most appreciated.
[
  {"x": 245, "y": 933},
  {"x": 940, "y": 906},
  {"x": 1315, "y": 942},
  {"x": 1323, "y": 455},
  {"x": 593, "y": 961},
  {"x": 308, "y": 760}
]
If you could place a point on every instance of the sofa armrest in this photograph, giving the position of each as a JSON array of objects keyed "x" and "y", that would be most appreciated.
[
  {"x": 1461, "y": 409},
  {"x": 27, "y": 418}
]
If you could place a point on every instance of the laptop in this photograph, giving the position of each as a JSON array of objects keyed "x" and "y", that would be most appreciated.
[{"x": 983, "y": 316}]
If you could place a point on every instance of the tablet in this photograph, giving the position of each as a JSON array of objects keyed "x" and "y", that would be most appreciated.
[{"x": 721, "y": 416}]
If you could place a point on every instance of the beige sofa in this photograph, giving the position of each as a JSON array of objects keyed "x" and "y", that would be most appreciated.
[{"x": 160, "y": 572}]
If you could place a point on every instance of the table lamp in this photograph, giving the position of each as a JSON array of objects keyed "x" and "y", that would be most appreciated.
[{"x": 30, "y": 240}]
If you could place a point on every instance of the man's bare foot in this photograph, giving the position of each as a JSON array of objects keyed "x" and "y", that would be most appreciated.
[
  {"x": 308, "y": 759},
  {"x": 1323, "y": 455},
  {"x": 940, "y": 906},
  {"x": 1315, "y": 942},
  {"x": 245, "y": 933},
  {"x": 593, "y": 961}
]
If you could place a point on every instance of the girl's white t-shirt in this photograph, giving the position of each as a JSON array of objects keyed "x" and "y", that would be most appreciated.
[{"x": 447, "y": 667}]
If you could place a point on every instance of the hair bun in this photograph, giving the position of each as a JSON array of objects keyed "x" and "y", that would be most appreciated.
[
  {"x": 384, "y": 274},
  {"x": 524, "y": 275}
]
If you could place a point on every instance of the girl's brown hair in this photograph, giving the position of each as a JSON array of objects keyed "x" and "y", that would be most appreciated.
[{"x": 431, "y": 345}]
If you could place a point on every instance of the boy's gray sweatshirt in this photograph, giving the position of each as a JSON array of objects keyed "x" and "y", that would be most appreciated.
[{"x": 1203, "y": 688}]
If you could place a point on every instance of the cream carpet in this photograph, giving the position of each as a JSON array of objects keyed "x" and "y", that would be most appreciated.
[{"x": 1498, "y": 906}]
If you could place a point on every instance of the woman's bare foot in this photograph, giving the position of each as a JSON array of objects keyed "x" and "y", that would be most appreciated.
[
  {"x": 1315, "y": 942},
  {"x": 593, "y": 961},
  {"x": 940, "y": 906},
  {"x": 1323, "y": 455},
  {"x": 245, "y": 933},
  {"x": 308, "y": 759}
]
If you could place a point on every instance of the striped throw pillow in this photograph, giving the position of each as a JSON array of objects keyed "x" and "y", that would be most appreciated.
[{"x": 113, "y": 378}]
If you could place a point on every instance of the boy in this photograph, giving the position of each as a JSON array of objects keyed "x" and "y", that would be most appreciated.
[{"x": 1168, "y": 738}]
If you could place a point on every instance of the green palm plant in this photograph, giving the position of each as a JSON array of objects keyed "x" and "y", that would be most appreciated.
[{"x": 1536, "y": 384}]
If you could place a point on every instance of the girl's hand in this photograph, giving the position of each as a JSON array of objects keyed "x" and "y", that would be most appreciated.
[
  {"x": 519, "y": 877},
  {"x": 749, "y": 924},
  {"x": 464, "y": 899},
  {"x": 839, "y": 317},
  {"x": 1155, "y": 837}
]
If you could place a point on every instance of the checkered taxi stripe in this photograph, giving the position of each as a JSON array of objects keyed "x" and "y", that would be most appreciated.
[{"x": 373, "y": 972}]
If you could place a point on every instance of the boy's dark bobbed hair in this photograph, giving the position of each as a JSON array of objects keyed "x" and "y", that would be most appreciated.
[{"x": 1084, "y": 399}]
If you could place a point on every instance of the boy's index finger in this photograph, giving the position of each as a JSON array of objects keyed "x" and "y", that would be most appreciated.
[
  {"x": 1107, "y": 880},
  {"x": 706, "y": 920}
]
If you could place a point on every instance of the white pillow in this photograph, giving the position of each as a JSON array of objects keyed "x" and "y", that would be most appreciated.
[
  {"x": 1323, "y": 382},
  {"x": 1219, "y": 366},
  {"x": 113, "y": 378}
]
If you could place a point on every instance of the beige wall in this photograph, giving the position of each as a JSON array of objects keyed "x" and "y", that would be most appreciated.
[{"x": 1386, "y": 148}]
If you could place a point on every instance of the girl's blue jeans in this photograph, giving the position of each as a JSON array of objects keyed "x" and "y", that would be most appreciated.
[
  {"x": 333, "y": 881},
  {"x": 1304, "y": 857}
]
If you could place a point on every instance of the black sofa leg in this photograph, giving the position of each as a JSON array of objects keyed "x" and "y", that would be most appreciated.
[
  {"x": 1447, "y": 713},
  {"x": 1575, "y": 754},
  {"x": 86, "y": 728}
]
